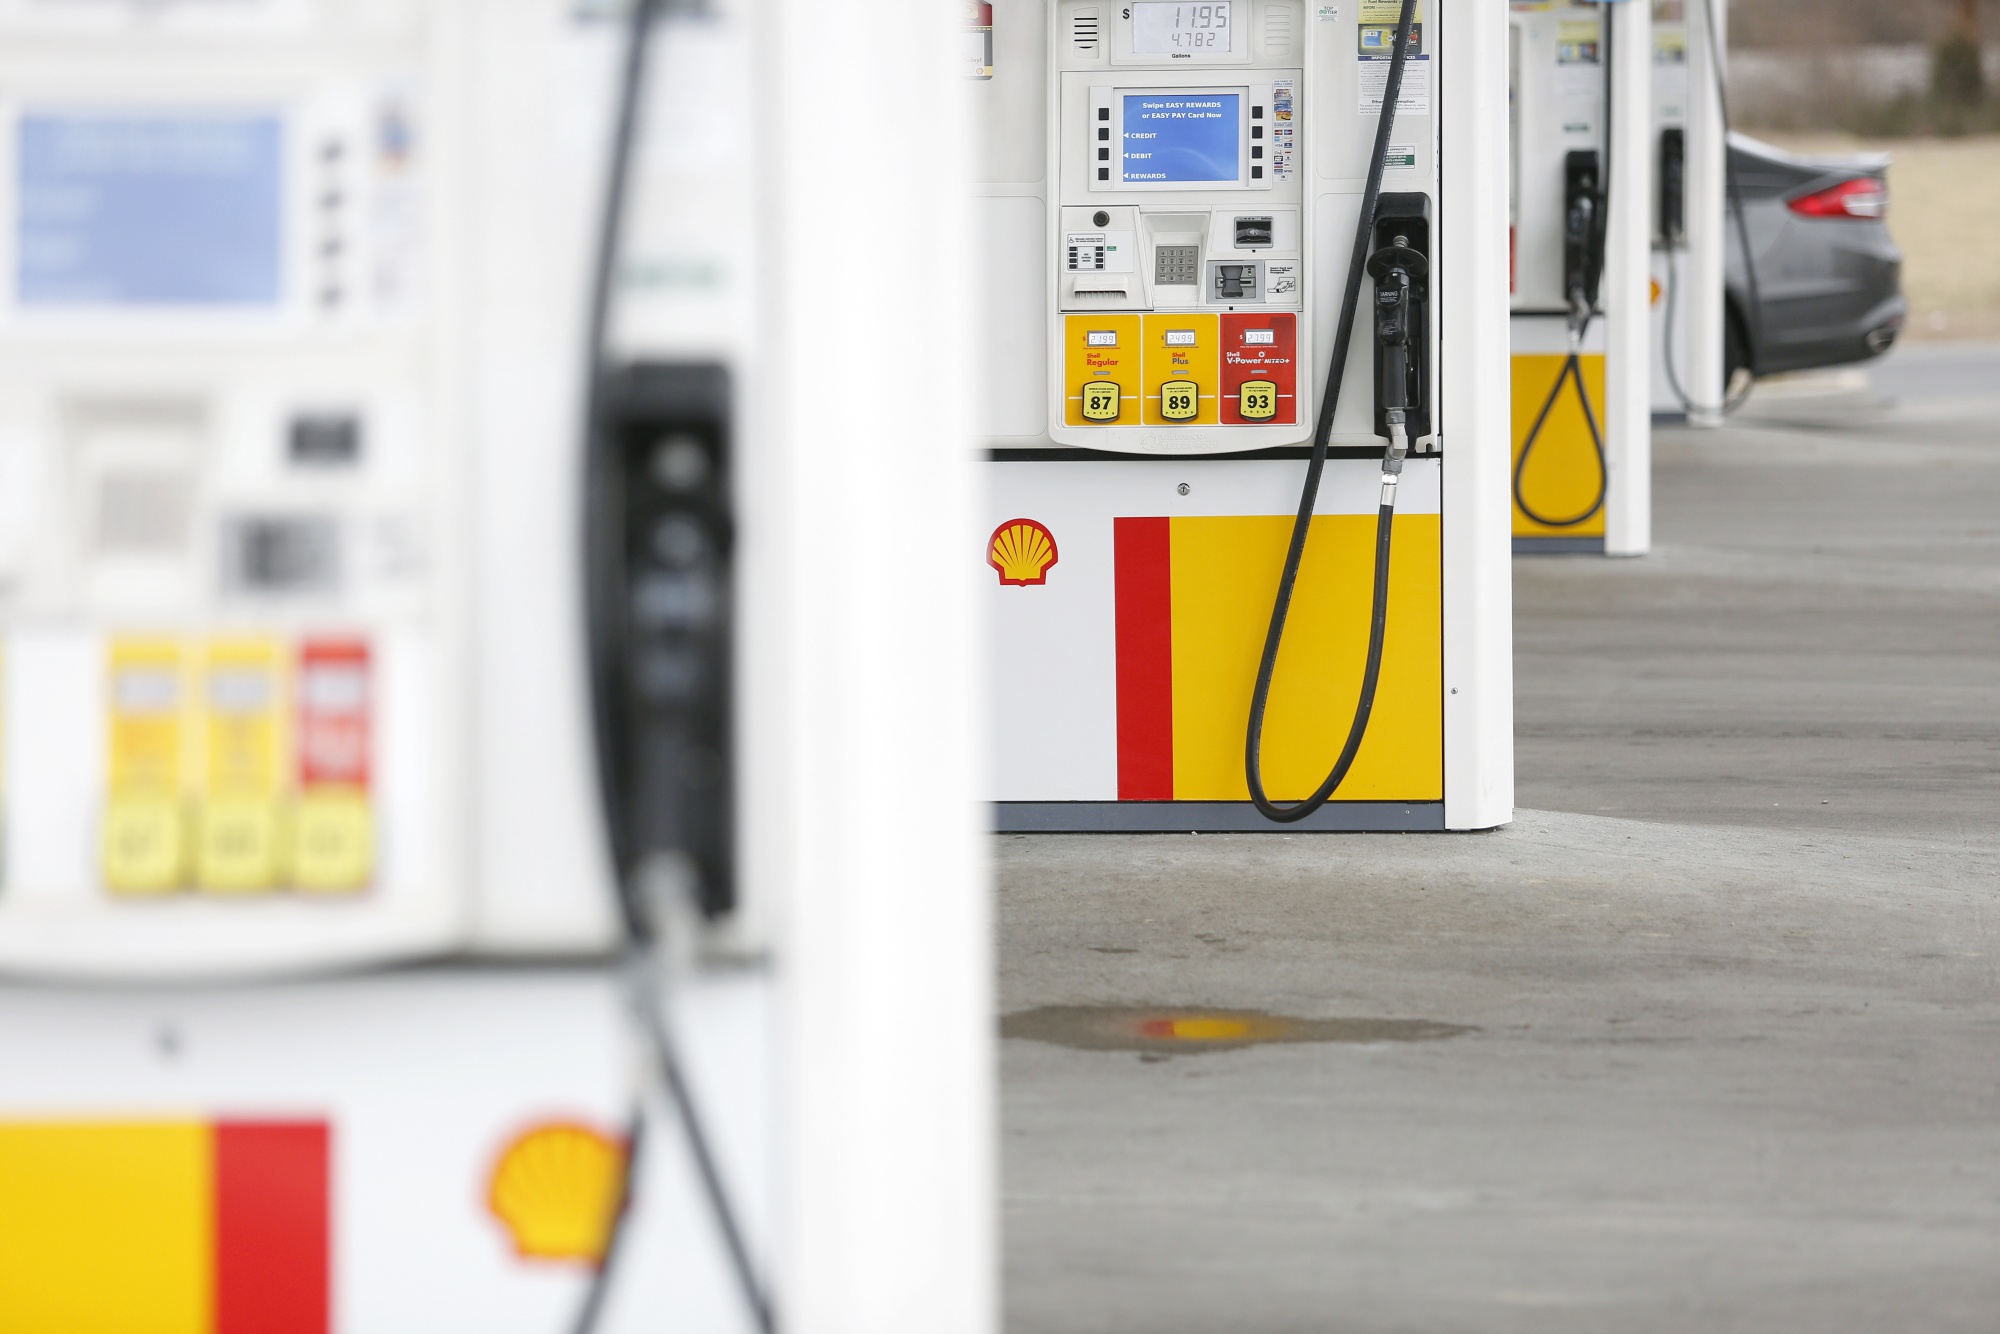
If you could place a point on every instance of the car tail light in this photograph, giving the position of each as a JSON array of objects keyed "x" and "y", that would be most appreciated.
[{"x": 1862, "y": 197}]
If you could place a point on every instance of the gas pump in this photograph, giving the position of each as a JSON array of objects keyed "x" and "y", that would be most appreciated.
[
  {"x": 1580, "y": 451},
  {"x": 1234, "y": 248},
  {"x": 406, "y": 538},
  {"x": 1695, "y": 375}
]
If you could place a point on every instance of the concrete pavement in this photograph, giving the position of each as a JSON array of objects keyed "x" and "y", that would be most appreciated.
[{"x": 1732, "y": 1047}]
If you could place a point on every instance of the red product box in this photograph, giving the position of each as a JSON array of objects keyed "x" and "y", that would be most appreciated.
[
  {"x": 1260, "y": 348},
  {"x": 334, "y": 713}
]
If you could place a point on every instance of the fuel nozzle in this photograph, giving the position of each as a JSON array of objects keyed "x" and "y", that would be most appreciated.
[
  {"x": 1583, "y": 235},
  {"x": 1397, "y": 268},
  {"x": 1579, "y": 232}
]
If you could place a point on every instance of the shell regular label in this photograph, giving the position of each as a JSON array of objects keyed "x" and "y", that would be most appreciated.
[
  {"x": 142, "y": 839},
  {"x": 1101, "y": 357},
  {"x": 1260, "y": 369}
]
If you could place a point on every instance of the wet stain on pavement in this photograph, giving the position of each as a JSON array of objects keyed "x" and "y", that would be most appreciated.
[{"x": 1171, "y": 1030}]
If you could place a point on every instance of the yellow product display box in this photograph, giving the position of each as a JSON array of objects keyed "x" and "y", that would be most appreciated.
[
  {"x": 1152, "y": 370},
  {"x": 333, "y": 841},
  {"x": 241, "y": 844},
  {"x": 143, "y": 840}
]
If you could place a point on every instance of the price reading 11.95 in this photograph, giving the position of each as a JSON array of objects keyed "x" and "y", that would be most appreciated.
[{"x": 1184, "y": 30}]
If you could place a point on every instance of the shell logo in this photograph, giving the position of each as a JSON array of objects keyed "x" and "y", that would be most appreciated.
[
  {"x": 557, "y": 1188},
  {"x": 1022, "y": 551}
]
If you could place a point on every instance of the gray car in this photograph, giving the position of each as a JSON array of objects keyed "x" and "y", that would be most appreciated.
[{"x": 1827, "y": 278}]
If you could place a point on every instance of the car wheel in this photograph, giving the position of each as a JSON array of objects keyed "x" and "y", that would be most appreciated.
[{"x": 1736, "y": 370}]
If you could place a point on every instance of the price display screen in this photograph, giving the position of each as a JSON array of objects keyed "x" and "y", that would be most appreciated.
[{"x": 1160, "y": 29}]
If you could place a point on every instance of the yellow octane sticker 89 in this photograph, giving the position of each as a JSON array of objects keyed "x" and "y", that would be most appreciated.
[
  {"x": 1100, "y": 401},
  {"x": 1259, "y": 400},
  {"x": 1179, "y": 400}
]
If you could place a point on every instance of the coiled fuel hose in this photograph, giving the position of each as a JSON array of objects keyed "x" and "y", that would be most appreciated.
[
  {"x": 1572, "y": 370},
  {"x": 1385, "y": 516}
]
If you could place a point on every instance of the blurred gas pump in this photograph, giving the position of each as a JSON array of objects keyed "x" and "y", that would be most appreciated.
[
  {"x": 1246, "y": 527},
  {"x": 420, "y": 464},
  {"x": 1581, "y": 75},
  {"x": 1697, "y": 214}
]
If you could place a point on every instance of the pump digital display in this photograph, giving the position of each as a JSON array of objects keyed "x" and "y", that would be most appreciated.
[
  {"x": 168, "y": 209},
  {"x": 1181, "y": 29},
  {"x": 1170, "y": 29},
  {"x": 1190, "y": 137}
]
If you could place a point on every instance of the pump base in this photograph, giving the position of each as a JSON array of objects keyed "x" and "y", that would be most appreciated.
[
  {"x": 1558, "y": 546},
  {"x": 1211, "y": 817}
]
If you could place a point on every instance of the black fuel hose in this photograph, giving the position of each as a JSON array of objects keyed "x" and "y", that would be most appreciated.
[
  {"x": 1385, "y": 517},
  {"x": 643, "y": 963}
]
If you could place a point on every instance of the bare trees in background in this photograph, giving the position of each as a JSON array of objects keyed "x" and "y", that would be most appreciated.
[
  {"x": 1873, "y": 67},
  {"x": 1822, "y": 23}
]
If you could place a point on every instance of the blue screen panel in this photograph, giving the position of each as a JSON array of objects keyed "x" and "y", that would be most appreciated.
[
  {"x": 149, "y": 210},
  {"x": 1192, "y": 137}
]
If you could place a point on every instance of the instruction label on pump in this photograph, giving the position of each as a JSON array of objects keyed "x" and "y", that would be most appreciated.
[
  {"x": 1098, "y": 252},
  {"x": 1373, "y": 81},
  {"x": 1375, "y": 40}
]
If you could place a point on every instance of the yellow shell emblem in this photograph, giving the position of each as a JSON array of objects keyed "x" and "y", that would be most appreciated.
[
  {"x": 1022, "y": 551},
  {"x": 558, "y": 1188}
]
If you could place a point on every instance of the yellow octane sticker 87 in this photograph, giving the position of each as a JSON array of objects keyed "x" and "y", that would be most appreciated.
[
  {"x": 1100, "y": 401},
  {"x": 1179, "y": 400}
]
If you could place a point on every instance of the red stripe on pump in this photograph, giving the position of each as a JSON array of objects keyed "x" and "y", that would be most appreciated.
[
  {"x": 272, "y": 1228},
  {"x": 1143, "y": 561}
]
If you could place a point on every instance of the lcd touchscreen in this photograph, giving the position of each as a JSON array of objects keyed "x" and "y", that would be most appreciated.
[
  {"x": 1189, "y": 137},
  {"x": 168, "y": 209}
]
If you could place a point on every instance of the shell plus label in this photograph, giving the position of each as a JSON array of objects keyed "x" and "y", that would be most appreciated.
[
  {"x": 241, "y": 844},
  {"x": 1101, "y": 365},
  {"x": 1260, "y": 369},
  {"x": 334, "y": 839},
  {"x": 1182, "y": 378},
  {"x": 142, "y": 841}
]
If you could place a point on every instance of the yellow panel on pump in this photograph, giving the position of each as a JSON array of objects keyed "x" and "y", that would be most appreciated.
[
  {"x": 242, "y": 839},
  {"x": 1183, "y": 363},
  {"x": 108, "y": 1228},
  {"x": 1101, "y": 357},
  {"x": 1225, "y": 573},
  {"x": 143, "y": 840},
  {"x": 1564, "y": 473}
]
